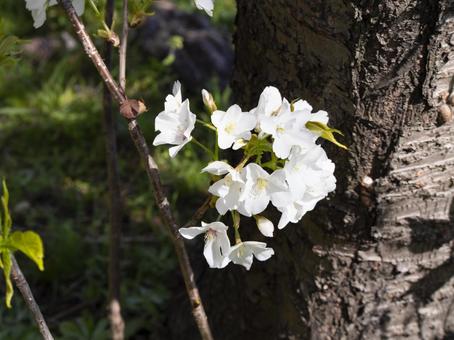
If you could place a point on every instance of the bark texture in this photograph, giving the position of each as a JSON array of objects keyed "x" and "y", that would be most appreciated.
[{"x": 373, "y": 261}]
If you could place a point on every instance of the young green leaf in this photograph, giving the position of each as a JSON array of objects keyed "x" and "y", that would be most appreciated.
[
  {"x": 30, "y": 244},
  {"x": 6, "y": 261},
  {"x": 256, "y": 147},
  {"x": 7, "y": 222},
  {"x": 325, "y": 132},
  {"x": 9, "y": 48},
  {"x": 138, "y": 11}
]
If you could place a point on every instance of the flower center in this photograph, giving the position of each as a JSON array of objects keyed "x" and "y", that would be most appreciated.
[
  {"x": 262, "y": 183},
  {"x": 230, "y": 127},
  {"x": 280, "y": 129},
  {"x": 210, "y": 234}
]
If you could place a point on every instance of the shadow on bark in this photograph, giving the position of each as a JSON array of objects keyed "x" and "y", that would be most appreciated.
[{"x": 429, "y": 236}]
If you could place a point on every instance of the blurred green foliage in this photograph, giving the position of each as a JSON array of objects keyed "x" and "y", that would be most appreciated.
[{"x": 52, "y": 154}]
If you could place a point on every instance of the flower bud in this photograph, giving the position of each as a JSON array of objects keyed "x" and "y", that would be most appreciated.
[
  {"x": 209, "y": 101},
  {"x": 131, "y": 108},
  {"x": 110, "y": 36},
  {"x": 265, "y": 226}
]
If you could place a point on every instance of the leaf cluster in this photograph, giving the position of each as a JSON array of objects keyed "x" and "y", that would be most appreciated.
[
  {"x": 27, "y": 242},
  {"x": 9, "y": 49}
]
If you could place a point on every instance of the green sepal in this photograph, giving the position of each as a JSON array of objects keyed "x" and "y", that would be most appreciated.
[
  {"x": 6, "y": 264},
  {"x": 256, "y": 147},
  {"x": 29, "y": 243},
  {"x": 325, "y": 132}
]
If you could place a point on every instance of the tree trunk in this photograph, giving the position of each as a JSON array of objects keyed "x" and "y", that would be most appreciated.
[{"x": 373, "y": 261}]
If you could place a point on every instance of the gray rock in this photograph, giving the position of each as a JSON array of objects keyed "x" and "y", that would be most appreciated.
[{"x": 206, "y": 53}]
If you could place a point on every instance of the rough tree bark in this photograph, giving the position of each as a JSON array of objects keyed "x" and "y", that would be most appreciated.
[{"x": 373, "y": 261}]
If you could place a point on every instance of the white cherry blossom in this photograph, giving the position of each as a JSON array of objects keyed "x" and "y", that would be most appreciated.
[
  {"x": 310, "y": 178},
  {"x": 259, "y": 186},
  {"x": 217, "y": 243},
  {"x": 244, "y": 253},
  {"x": 291, "y": 207},
  {"x": 286, "y": 128},
  {"x": 233, "y": 125},
  {"x": 229, "y": 190},
  {"x": 206, "y": 5},
  {"x": 311, "y": 171},
  {"x": 175, "y": 123}
]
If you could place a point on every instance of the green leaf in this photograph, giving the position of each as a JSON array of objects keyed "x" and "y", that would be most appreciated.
[
  {"x": 30, "y": 244},
  {"x": 7, "y": 222},
  {"x": 257, "y": 147},
  {"x": 138, "y": 11},
  {"x": 6, "y": 261},
  {"x": 325, "y": 132},
  {"x": 9, "y": 48}
]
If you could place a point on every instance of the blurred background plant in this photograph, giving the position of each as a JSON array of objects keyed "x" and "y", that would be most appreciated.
[{"x": 52, "y": 154}]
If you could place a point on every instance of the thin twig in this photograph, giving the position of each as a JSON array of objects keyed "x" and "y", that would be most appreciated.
[
  {"x": 199, "y": 213},
  {"x": 22, "y": 284},
  {"x": 166, "y": 213},
  {"x": 123, "y": 47},
  {"x": 152, "y": 171},
  {"x": 117, "y": 324}
]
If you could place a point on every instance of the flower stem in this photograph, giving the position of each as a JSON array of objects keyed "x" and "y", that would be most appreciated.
[
  {"x": 208, "y": 151},
  {"x": 216, "y": 148},
  {"x": 236, "y": 226},
  {"x": 98, "y": 14},
  {"x": 242, "y": 163},
  {"x": 207, "y": 125}
]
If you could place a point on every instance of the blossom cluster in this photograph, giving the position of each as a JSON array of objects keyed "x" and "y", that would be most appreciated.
[{"x": 282, "y": 165}]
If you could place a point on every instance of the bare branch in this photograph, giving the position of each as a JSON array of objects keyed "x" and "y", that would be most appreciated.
[
  {"x": 115, "y": 201},
  {"x": 152, "y": 171},
  {"x": 21, "y": 283},
  {"x": 92, "y": 52},
  {"x": 200, "y": 212},
  {"x": 166, "y": 213}
]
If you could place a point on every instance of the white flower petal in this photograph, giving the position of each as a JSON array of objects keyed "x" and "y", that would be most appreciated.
[
  {"x": 192, "y": 232},
  {"x": 257, "y": 205},
  {"x": 239, "y": 144},
  {"x": 269, "y": 102},
  {"x": 176, "y": 91},
  {"x": 302, "y": 105},
  {"x": 175, "y": 123},
  {"x": 217, "y": 226},
  {"x": 281, "y": 148},
  {"x": 218, "y": 168},
  {"x": 241, "y": 256},
  {"x": 39, "y": 17},
  {"x": 221, "y": 206},
  {"x": 225, "y": 140},
  {"x": 206, "y": 5},
  {"x": 260, "y": 251},
  {"x": 209, "y": 251},
  {"x": 175, "y": 149},
  {"x": 79, "y": 6}
]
